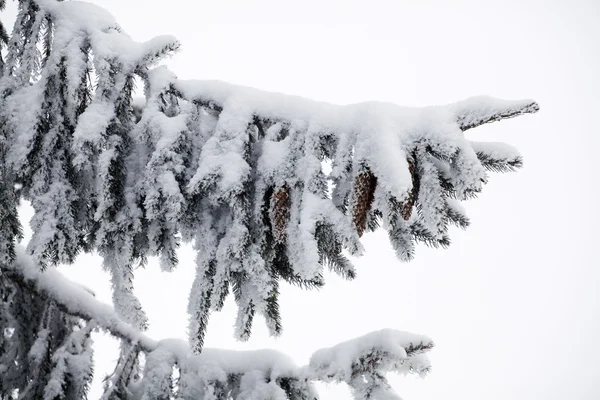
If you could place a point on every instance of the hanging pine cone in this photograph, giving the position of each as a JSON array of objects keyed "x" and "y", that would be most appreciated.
[
  {"x": 364, "y": 194},
  {"x": 407, "y": 206},
  {"x": 280, "y": 213}
]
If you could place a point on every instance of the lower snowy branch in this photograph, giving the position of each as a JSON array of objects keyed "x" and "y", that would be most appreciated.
[
  {"x": 265, "y": 374},
  {"x": 71, "y": 298}
]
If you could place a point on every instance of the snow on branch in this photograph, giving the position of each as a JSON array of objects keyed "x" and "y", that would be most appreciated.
[
  {"x": 250, "y": 374},
  {"x": 467, "y": 114}
]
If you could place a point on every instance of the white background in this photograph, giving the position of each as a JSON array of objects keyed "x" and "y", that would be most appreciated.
[{"x": 513, "y": 305}]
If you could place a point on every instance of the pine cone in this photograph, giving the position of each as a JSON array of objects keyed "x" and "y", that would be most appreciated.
[
  {"x": 364, "y": 194},
  {"x": 406, "y": 207},
  {"x": 280, "y": 213}
]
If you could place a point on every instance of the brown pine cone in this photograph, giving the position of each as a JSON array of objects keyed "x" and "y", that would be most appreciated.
[
  {"x": 280, "y": 213},
  {"x": 364, "y": 194},
  {"x": 407, "y": 206}
]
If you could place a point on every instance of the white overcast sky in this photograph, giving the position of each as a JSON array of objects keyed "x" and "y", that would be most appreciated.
[{"x": 514, "y": 304}]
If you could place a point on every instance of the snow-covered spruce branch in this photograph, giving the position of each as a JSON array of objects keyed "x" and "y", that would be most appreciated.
[
  {"x": 264, "y": 374},
  {"x": 237, "y": 171}
]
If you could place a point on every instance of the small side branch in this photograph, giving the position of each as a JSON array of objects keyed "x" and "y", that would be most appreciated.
[{"x": 476, "y": 111}]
